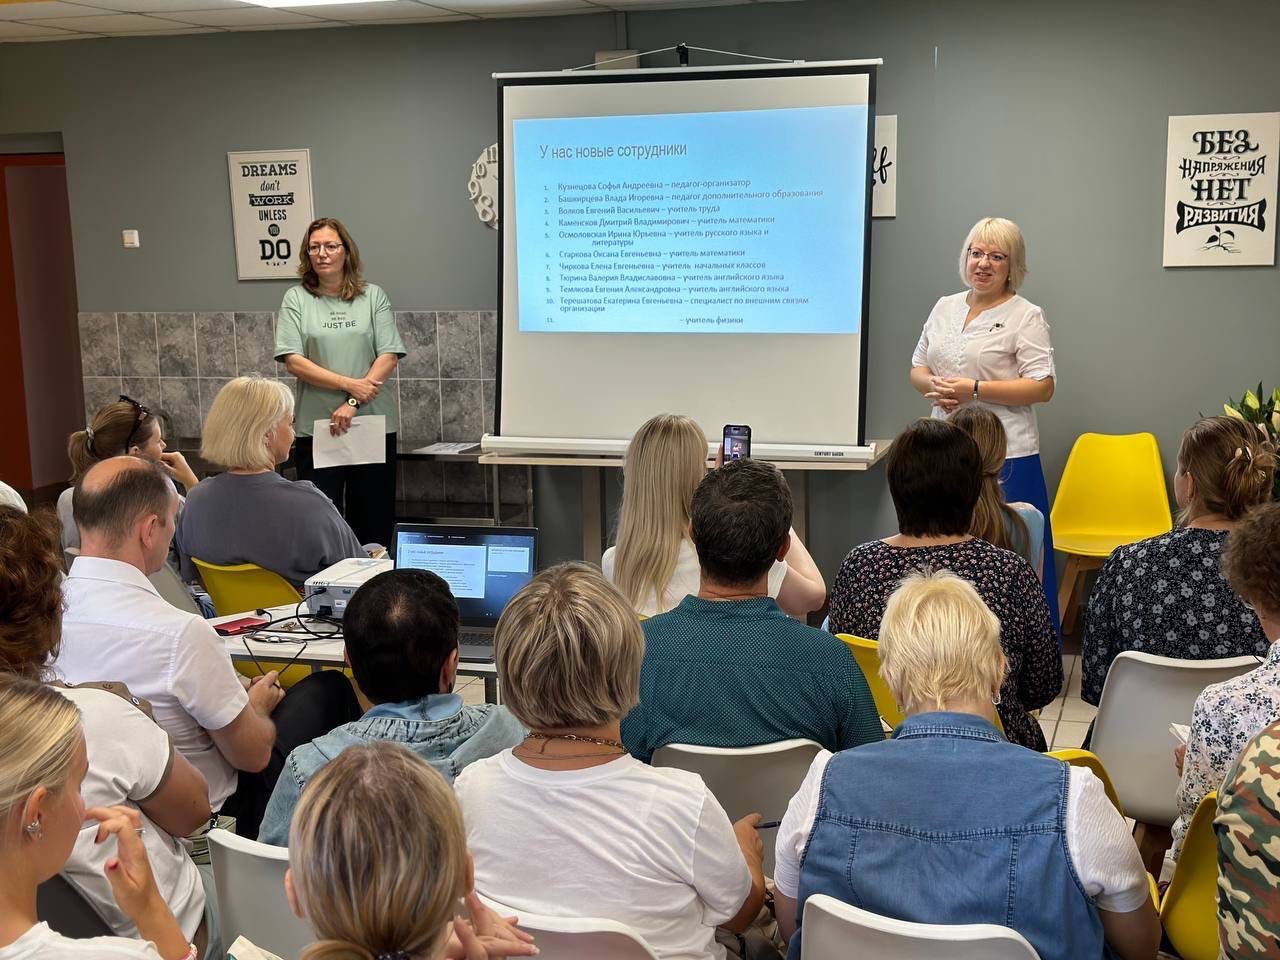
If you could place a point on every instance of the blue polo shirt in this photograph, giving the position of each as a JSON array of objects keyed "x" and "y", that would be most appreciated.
[{"x": 737, "y": 673}]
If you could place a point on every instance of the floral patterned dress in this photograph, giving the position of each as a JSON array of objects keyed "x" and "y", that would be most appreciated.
[
  {"x": 1006, "y": 583},
  {"x": 1166, "y": 596}
]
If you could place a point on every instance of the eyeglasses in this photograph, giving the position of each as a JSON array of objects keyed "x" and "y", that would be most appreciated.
[
  {"x": 140, "y": 413},
  {"x": 978, "y": 255},
  {"x": 329, "y": 248}
]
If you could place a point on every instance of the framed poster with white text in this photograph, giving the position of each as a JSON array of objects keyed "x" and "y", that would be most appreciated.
[
  {"x": 1220, "y": 190},
  {"x": 270, "y": 208}
]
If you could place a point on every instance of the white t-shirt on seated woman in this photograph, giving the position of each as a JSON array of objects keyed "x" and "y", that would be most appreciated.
[
  {"x": 685, "y": 580},
  {"x": 41, "y": 943},
  {"x": 645, "y": 846}
]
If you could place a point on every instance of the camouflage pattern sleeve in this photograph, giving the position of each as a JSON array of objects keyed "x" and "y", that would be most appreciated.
[{"x": 1248, "y": 832}]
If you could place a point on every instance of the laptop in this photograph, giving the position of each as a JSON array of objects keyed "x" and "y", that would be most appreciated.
[{"x": 484, "y": 567}]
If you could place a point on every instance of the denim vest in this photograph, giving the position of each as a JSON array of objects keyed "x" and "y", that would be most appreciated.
[
  {"x": 948, "y": 823},
  {"x": 438, "y": 728}
]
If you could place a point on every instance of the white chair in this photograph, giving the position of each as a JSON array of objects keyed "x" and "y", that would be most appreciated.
[
  {"x": 575, "y": 938},
  {"x": 747, "y": 780},
  {"x": 1142, "y": 695},
  {"x": 170, "y": 586},
  {"x": 833, "y": 930},
  {"x": 249, "y": 878}
]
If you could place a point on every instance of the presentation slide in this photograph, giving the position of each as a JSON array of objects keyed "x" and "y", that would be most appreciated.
[
  {"x": 734, "y": 221},
  {"x": 462, "y": 567},
  {"x": 509, "y": 560},
  {"x": 685, "y": 240}
]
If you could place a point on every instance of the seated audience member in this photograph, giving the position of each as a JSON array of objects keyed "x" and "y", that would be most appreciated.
[
  {"x": 123, "y": 427},
  {"x": 568, "y": 824},
  {"x": 653, "y": 563},
  {"x": 946, "y": 822},
  {"x": 935, "y": 478},
  {"x": 117, "y": 626},
  {"x": 378, "y": 861},
  {"x": 251, "y": 514},
  {"x": 42, "y": 764},
  {"x": 401, "y": 631},
  {"x": 10, "y": 497},
  {"x": 1246, "y": 826},
  {"x": 131, "y": 760},
  {"x": 1015, "y": 526},
  {"x": 1227, "y": 714},
  {"x": 1166, "y": 595},
  {"x": 769, "y": 677}
]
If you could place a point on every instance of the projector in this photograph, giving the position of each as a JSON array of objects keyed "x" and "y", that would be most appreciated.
[{"x": 329, "y": 591}]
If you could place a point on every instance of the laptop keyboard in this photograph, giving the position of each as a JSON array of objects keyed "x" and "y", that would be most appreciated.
[{"x": 476, "y": 638}]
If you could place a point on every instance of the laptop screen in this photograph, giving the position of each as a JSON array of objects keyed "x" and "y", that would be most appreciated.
[{"x": 484, "y": 566}]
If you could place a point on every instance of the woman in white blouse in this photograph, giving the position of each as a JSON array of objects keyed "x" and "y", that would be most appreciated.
[{"x": 989, "y": 345}]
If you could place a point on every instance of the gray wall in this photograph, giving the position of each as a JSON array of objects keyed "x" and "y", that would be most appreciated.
[{"x": 1051, "y": 113}]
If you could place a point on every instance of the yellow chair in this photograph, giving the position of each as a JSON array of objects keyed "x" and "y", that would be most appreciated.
[
  {"x": 867, "y": 653},
  {"x": 243, "y": 588},
  {"x": 1083, "y": 758},
  {"x": 1112, "y": 492},
  {"x": 1189, "y": 910}
]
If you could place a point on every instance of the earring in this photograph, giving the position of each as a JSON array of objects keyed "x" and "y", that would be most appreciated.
[
  {"x": 33, "y": 830},
  {"x": 995, "y": 701}
]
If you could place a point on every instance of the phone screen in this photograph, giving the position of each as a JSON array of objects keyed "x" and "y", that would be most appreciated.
[{"x": 737, "y": 441}]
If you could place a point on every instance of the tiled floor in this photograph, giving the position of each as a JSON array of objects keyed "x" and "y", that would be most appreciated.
[{"x": 1066, "y": 721}]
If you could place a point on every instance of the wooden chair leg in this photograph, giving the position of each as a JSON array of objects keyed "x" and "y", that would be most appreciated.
[{"x": 1068, "y": 591}]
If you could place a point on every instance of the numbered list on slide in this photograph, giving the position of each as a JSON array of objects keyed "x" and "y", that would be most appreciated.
[{"x": 741, "y": 222}]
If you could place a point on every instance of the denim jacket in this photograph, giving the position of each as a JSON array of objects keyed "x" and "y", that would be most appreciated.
[
  {"x": 439, "y": 728},
  {"x": 949, "y": 823}
]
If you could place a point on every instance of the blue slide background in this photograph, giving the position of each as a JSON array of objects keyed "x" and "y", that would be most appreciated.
[{"x": 815, "y": 243}]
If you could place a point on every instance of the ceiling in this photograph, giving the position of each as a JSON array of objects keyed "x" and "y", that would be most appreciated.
[{"x": 30, "y": 21}]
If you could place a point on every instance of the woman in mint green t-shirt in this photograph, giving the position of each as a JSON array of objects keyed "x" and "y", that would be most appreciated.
[{"x": 336, "y": 333}]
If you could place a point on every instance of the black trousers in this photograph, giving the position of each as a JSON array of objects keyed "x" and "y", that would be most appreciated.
[
  {"x": 312, "y": 707},
  {"x": 364, "y": 495}
]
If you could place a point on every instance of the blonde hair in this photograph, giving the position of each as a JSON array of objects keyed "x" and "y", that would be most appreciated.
[
  {"x": 379, "y": 855},
  {"x": 352, "y": 283},
  {"x": 666, "y": 460},
  {"x": 1004, "y": 234},
  {"x": 939, "y": 643},
  {"x": 568, "y": 650},
  {"x": 1232, "y": 464},
  {"x": 992, "y": 516},
  {"x": 39, "y": 732},
  {"x": 245, "y": 410}
]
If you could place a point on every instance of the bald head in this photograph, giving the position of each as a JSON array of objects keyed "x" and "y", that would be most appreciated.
[{"x": 118, "y": 494}]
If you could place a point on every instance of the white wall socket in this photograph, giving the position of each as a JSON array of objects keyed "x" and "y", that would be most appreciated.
[{"x": 130, "y": 239}]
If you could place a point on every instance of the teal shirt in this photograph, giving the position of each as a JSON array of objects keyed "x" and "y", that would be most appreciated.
[
  {"x": 738, "y": 673},
  {"x": 343, "y": 337}
]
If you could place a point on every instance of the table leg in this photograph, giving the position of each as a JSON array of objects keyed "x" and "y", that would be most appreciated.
[{"x": 490, "y": 688}]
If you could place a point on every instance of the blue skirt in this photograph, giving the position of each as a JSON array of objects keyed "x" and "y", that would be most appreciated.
[{"x": 1023, "y": 480}]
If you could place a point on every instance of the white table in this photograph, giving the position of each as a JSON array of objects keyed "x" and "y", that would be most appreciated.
[
  {"x": 595, "y": 524},
  {"x": 284, "y": 645}
]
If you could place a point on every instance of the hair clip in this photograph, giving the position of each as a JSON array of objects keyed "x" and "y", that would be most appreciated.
[
  {"x": 393, "y": 955},
  {"x": 88, "y": 432}
]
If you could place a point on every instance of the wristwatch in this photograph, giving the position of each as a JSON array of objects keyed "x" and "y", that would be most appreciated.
[{"x": 353, "y": 402}]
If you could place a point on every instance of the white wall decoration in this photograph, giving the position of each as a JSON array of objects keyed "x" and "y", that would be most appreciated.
[
  {"x": 482, "y": 188},
  {"x": 270, "y": 208},
  {"x": 1220, "y": 190},
  {"x": 884, "y": 168}
]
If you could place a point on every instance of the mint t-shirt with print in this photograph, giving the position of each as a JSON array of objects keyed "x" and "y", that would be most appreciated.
[{"x": 342, "y": 337}]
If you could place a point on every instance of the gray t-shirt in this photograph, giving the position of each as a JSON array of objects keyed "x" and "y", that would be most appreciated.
[{"x": 286, "y": 526}]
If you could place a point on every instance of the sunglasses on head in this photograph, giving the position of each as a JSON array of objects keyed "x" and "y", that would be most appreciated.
[{"x": 140, "y": 414}]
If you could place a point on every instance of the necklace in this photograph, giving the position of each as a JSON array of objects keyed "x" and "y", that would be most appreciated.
[{"x": 535, "y": 735}]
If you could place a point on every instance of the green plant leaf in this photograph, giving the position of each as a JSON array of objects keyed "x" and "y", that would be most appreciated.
[
  {"x": 1231, "y": 411},
  {"x": 1250, "y": 401}
]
